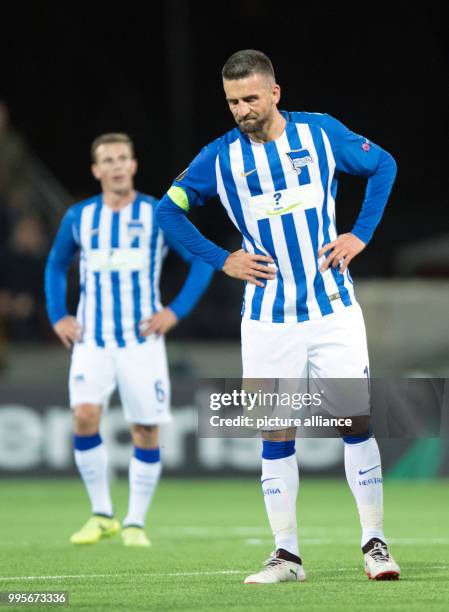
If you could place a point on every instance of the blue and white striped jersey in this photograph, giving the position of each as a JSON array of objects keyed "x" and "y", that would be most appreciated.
[
  {"x": 281, "y": 197},
  {"x": 121, "y": 255}
]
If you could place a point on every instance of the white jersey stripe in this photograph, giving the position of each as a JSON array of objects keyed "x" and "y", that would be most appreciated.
[
  {"x": 265, "y": 295},
  {"x": 157, "y": 270},
  {"x": 315, "y": 176},
  {"x": 249, "y": 288},
  {"x": 302, "y": 229},
  {"x": 146, "y": 218},
  {"x": 222, "y": 193},
  {"x": 331, "y": 211},
  {"x": 86, "y": 307},
  {"x": 125, "y": 276},
  {"x": 104, "y": 242}
]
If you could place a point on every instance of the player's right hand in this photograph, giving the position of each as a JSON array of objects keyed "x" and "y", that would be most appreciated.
[
  {"x": 68, "y": 330},
  {"x": 247, "y": 267}
]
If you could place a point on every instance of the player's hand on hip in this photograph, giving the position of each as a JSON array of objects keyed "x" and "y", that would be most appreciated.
[
  {"x": 342, "y": 251},
  {"x": 249, "y": 267},
  {"x": 160, "y": 323},
  {"x": 68, "y": 330}
]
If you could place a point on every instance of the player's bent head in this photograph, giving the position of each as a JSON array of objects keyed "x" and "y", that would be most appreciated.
[
  {"x": 244, "y": 63},
  {"x": 251, "y": 91},
  {"x": 110, "y": 138}
]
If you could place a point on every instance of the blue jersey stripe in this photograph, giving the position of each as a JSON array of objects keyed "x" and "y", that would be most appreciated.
[
  {"x": 135, "y": 215},
  {"x": 324, "y": 171},
  {"x": 83, "y": 292},
  {"x": 83, "y": 283},
  {"x": 334, "y": 188},
  {"x": 267, "y": 241},
  {"x": 312, "y": 222},
  {"x": 94, "y": 245},
  {"x": 115, "y": 282},
  {"x": 291, "y": 238},
  {"x": 153, "y": 245},
  {"x": 277, "y": 172},
  {"x": 234, "y": 201},
  {"x": 318, "y": 282},
  {"x": 249, "y": 164},
  {"x": 264, "y": 230}
]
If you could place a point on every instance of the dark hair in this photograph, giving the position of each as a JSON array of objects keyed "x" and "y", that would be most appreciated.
[
  {"x": 244, "y": 63},
  {"x": 110, "y": 138}
]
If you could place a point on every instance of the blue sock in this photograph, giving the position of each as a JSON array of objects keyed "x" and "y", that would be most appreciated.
[
  {"x": 278, "y": 450},
  {"x": 83, "y": 443}
]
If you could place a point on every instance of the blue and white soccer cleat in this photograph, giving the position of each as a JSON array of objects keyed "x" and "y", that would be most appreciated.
[
  {"x": 280, "y": 567},
  {"x": 379, "y": 564}
]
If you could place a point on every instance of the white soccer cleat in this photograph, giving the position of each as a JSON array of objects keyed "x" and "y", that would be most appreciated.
[
  {"x": 379, "y": 564},
  {"x": 279, "y": 568}
]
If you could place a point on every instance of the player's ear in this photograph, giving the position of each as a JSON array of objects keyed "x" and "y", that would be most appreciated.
[
  {"x": 276, "y": 93},
  {"x": 135, "y": 166},
  {"x": 94, "y": 170}
]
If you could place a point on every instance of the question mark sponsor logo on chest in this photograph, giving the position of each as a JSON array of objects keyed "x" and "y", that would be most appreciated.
[
  {"x": 283, "y": 201},
  {"x": 277, "y": 196},
  {"x": 279, "y": 208}
]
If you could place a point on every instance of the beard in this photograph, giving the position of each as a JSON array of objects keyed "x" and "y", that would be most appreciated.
[{"x": 251, "y": 126}]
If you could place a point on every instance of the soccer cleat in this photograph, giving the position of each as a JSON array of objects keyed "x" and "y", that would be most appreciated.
[
  {"x": 96, "y": 528},
  {"x": 282, "y": 567},
  {"x": 135, "y": 536},
  {"x": 379, "y": 564}
]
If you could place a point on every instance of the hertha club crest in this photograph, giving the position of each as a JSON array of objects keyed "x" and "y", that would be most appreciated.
[{"x": 299, "y": 158}]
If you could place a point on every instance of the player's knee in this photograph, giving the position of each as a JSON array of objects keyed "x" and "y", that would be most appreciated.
[
  {"x": 280, "y": 435},
  {"x": 358, "y": 431},
  {"x": 145, "y": 436},
  {"x": 87, "y": 419}
]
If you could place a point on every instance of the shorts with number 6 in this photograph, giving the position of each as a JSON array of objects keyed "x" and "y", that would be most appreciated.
[{"x": 139, "y": 371}]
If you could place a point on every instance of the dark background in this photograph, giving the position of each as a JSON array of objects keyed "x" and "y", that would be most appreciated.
[{"x": 72, "y": 71}]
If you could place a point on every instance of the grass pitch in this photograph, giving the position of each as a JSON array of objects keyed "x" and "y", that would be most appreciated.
[{"x": 207, "y": 535}]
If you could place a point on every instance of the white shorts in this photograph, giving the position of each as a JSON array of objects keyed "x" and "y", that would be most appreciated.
[
  {"x": 307, "y": 357},
  {"x": 331, "y": 347},
  {"x": 139, "y": 371}
]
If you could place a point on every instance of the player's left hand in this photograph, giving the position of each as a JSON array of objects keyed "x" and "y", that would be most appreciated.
[
  {"x": 160, "y": 323},
  {"x": 342, "y": 251}
]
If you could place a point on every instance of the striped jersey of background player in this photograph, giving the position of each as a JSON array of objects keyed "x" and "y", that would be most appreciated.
[
  {"x": 118, "y": 332},
  {"x": 276, "y": 175}
]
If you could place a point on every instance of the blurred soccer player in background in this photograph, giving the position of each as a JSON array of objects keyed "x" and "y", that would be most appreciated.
[
  {"x": 276, "y": 175},
  {"x": 118, "y": 332}
]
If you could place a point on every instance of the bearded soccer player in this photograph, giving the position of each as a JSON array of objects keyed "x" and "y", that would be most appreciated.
[
  {"x": 118, "y": 332},
  {"x": 276, "y": 175}
]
